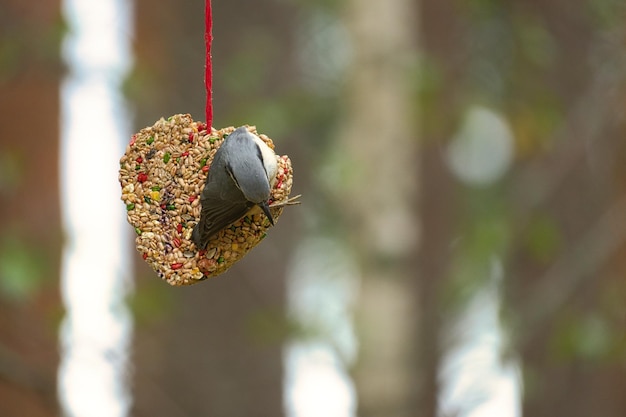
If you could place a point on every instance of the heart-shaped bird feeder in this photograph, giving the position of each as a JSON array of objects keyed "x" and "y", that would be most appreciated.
[{"x": 162, "y": 175}]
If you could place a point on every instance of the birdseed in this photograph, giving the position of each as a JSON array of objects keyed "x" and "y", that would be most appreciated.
[{"x": 162, "y": 175}]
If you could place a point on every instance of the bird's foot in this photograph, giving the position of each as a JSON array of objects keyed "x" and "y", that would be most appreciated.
[{"x": 289, "y": 202}]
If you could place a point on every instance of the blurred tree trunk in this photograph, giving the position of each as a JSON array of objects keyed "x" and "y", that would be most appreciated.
[
  {"x": 213, "y": 349},
  {"x": 440, "y": 32},
  {"x": 30, "y": 240},
  {"x": 378, "y": 141}
]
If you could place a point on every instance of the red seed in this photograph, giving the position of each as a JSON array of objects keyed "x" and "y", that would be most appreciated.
[
  {"x": 176, "y": 266},
  {"x": 190, "y": 136},
  {"x": 201, "y": 127},
  {"x": 142, "y": 177},
  {"x": 192, "y": 198},
  {"x": 186, "y": 153},
  {"x": 205, "y": 169},
  {"x": 179, "y": 228},
  {"x": 133, "y": 138},
  {"x": 176, "y": 241},
  {"x": 144, "y": 256},
  {"x": 139, "y": 160},
  {"x": 202, "y": 252}
]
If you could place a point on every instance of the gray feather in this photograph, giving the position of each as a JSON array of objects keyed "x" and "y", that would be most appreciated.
[{"x": 237, "y": 181}]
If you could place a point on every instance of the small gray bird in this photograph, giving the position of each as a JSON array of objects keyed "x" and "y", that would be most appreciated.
[{"x": 240, "y": 177}]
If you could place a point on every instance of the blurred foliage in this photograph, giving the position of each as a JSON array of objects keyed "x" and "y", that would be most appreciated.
[
  {"x": 152, "y": 304},
  {"x": 487, "y": 231},
  {"x": 22, "y": 269},
  {"x": 589, "y": 337},
  {"x": 270, "y": 327},
  {"x": 606, "y": 14},
  {"x": 141, "y": 84},
  {"x": 250, "y": 65},
  {"x": 24, "y": 43},
  {"x": 332, "y": 6},
  {"x": 9, "y": 56},
  {"x": 11, "y": 171},
  {"x": 543, "y": 239}
]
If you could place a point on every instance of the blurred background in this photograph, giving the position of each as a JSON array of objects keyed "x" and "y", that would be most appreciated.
[{"x": 460, "y": 249}]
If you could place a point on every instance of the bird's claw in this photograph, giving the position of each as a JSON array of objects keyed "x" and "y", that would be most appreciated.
[{"x": 289, "y": 202}]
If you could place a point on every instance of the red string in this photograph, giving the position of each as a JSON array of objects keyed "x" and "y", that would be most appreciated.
[{"x": 208, "y": 68}]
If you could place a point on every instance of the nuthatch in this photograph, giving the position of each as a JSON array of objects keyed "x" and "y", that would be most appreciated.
[{"x": 240, "y": 177}]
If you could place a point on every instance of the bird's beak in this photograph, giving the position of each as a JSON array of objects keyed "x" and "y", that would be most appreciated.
[{"x": 266, "y": 209}]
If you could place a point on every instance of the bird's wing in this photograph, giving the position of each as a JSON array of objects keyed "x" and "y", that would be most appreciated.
[{"x": 216, "y": 214}]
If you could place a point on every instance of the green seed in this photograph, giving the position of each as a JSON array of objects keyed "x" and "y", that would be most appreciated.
[
  {"x": 203, "y": 162},
  {"x": 166, "y": 157},
  {"x": 225, "y": 135},
  {"x": 156, "y": 188},
  {"x": 264, "y": 234},
  {"x": 178, "y": 160},
  {"x": 247, "y": 220},
  {"x": 137, "y": 230},
  {"x": 150, "y": 140},
  {"x": 220, "y": 260},
  {"x": 212, "y": 140},
  {"x": 130, "y": 206},
  {"x": 147, "y": 199},
  {"x": 171, "y": 207},
  {"x": 137, "y": 167}
]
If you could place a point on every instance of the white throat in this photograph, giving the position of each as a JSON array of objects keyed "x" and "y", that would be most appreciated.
[{"x": 269, "y": 160}]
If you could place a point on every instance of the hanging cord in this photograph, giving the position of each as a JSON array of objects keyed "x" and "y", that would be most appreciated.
[{"x": 208, "y": 67}]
